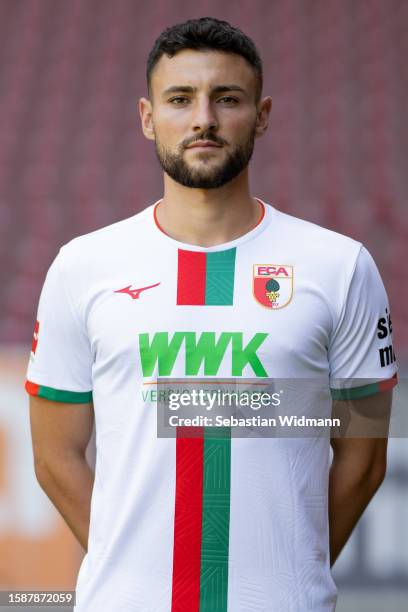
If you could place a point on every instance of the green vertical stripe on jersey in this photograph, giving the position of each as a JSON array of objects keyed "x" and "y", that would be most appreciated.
[
  {"x": 219, "y": 285},
  {"x": 215, "y": 519}
]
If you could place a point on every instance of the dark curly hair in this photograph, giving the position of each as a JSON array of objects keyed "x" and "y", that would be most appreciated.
[{"x": 205, "y": 33}]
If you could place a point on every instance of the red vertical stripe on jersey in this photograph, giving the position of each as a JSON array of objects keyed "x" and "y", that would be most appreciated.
[
  {"x": 188, "y": 519},
  {"x": 191, "y": 278}
]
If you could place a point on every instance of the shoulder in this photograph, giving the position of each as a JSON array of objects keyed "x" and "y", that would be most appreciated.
[
  {"x": 84, "y": 264},
  {"x": 104, "y": 243},
  {"x": 313, "y": 238},
  {"x": 325, "y": 262},
  {"x": 324, "y": 252},
  {"x": 110, "y": 234}
]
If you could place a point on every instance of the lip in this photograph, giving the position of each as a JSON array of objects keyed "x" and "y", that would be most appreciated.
[{"x": 203, "y": 144}]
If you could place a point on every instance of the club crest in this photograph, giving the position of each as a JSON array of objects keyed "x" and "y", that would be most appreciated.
[{"x": 272, "y": 285}]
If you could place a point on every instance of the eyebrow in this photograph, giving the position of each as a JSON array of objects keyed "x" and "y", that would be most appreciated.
[{"x": 215, "y": 89}]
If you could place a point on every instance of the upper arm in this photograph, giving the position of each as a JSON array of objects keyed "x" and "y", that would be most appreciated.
[
  {"x": 361, "y": 357},
  {"x": 365, "y": 421},
  {"x": 361, "y": 374},
  {"x": 58, "y": 427},
  {"x": 59, "y": 375},
  {"x": 60, "y": 366}
]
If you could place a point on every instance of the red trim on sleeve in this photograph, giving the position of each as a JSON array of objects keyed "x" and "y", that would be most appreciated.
[
  {"x": 385, "y": 385},
  {"x": 31, "y": 388}
]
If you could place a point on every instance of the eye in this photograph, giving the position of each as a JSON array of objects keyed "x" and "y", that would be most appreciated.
[
  {"x": 177, "y": 100},
  {"x": 228, "y": 100}
]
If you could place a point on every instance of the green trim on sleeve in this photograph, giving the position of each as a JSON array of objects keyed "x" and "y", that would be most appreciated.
[
  {"x": 58, "y": 395},
  {"x": 71, "y": 397},
  {"x": 352, "y": 393}
]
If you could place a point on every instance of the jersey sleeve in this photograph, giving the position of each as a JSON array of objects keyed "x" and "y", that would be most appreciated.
[
  {"x": 60, "y": 365},
  {"x": 361, "y": 354}
]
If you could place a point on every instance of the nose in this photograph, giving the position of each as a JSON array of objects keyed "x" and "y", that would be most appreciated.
[{"x": 204, "y": 117}]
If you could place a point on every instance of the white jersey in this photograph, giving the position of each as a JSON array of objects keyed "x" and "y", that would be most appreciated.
[{"x": 204, "y": 524}]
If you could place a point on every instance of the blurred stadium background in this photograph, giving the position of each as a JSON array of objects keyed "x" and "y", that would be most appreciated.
[{"x": 73, "y": 159}]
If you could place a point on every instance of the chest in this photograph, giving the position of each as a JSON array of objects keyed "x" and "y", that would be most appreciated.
[{"x": 232, "y": 315}]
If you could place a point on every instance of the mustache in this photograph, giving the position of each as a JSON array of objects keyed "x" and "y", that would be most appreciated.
[{"x": 204, "y": 136}]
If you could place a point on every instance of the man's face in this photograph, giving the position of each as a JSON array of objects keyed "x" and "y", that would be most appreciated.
[{"x": 203, "y": 98}]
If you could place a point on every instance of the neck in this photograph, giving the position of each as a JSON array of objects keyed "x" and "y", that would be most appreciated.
[{"x": 207, "y": 217}]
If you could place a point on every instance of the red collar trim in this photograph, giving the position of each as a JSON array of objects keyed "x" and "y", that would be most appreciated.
[{"x": 162, "y": 230}]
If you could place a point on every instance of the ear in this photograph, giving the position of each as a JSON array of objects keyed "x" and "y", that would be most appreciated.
[
  {"x": 146, "y": 118},
  {"x": 262, "y": 116}
]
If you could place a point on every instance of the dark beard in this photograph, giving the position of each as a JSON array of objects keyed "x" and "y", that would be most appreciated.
[{"x": 175, "y": 166}]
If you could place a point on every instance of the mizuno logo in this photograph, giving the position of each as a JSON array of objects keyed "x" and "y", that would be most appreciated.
[{"x": 135, "y": 293}]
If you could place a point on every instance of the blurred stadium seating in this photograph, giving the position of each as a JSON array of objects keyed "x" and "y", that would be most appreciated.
[{"x": 72, "y": 158}]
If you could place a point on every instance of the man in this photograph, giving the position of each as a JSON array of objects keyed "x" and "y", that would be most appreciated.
[{"x": 213, "y": 283}]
